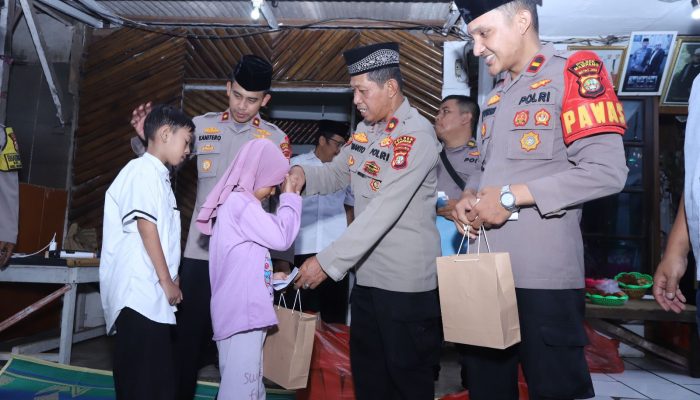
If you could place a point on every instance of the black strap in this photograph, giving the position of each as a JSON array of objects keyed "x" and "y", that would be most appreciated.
[{"x": 450, "y": 170}]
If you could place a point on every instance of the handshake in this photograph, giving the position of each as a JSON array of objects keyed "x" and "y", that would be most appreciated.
[{"x": 294, "y": 181}]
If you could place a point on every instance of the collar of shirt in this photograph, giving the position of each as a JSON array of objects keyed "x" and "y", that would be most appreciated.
[
  {"x": 457, "y": 149},
  {"x": 160, "y": 167}
]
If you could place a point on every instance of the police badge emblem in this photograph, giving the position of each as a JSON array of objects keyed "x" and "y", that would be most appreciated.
[
  {"x": 542, "y": 117},
  {"x": 587, "y": 72},
  {"x": 529, "y": 141},
  {"x": 521, "y": 118}
]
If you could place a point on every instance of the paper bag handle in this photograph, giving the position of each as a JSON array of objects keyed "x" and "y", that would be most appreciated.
[
  {"x": 297, "y": 296},
  {"x": 482, "y": 231}
]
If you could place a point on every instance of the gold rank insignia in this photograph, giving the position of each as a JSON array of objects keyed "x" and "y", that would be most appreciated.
[
  {"x": 206, "y": 165},
  {"x": 540, "y": 84},
  {"x": 256, "y": 121},
  {"x": 542, "y": 117},
  {"x": 493, "y": 100},
  {"x": 211, "y": 129},
  {"x": 374, "y": 185},
  {"x": 529, "y": 141},
  {"x": 261, "y": 133},
  {"x": 360, "y": 137},
  {"x": 387, "y": 141},
  {"x": 225, "y": 116},
  {"x": 475, "y": 153},
  {"x": 391, "y": 125},
  {"x": 351, "y": 161},
  {"x": 471, "y": 143},
  {"x": 207, "y": 148},
  {"x": 483, "y": 129},
  {"x": 521, "y": 118},
  {"x": 535, "y": 64}
]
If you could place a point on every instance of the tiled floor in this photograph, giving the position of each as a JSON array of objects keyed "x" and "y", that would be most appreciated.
[{"x": 643, "y": 378}]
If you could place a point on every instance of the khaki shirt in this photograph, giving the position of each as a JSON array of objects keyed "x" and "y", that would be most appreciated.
[
  {"x": 393, "y": 241},
  {"x": 465, "y": 161},
  {"x": 522, "y": 135},
  {"x": 217, "y": 139},
  {"x": 9, "y": 201}
]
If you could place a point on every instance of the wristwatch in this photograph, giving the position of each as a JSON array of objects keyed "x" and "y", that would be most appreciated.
[{"x": 508, "y": 199}]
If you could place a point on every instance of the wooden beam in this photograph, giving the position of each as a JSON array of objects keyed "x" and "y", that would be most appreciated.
[
  {"x": 49, "y": 74},
  {"x": 637, "y": 341}
]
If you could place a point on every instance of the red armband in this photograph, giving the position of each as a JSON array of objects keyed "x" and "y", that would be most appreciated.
[{"x": 590, "y": 105}]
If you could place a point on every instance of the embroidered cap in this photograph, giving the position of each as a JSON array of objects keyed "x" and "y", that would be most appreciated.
[
  {"x": 253, "y": 73},
  {"x": 369, "y": 58}
]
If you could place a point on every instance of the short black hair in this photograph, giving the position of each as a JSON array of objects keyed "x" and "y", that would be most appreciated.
[
  {"x": 328, "y": 129},
  {"x": 382, "y": 75},
  {"x": 466, "y": 104},
  {"x": 165, "y": 115}
]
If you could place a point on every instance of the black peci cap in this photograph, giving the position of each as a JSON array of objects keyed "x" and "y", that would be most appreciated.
[
  {"x": 473, "y": 9},
  {"x": 369, "y": 58},
  {"x": 253, "y": 73},
  {"x": 328, "y": 126}
]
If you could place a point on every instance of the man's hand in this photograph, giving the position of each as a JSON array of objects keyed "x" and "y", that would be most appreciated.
[
  {"x": 668, "y": 274},
  {"x": 310, "y": 274},
  {"x": 281, "y": 266},
  {"x": 138, "y": 116},
  {"x": 462, "y": 210},
  {"x": 292, "y": 184},
  {"x": 172, "y": 291},
  {"x": 6, "y": 249},
  {"x": 488, "y": 210},
  {"x": 446, "y": 211}
]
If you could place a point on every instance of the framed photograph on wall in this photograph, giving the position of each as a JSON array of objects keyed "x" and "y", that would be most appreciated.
[
  {"x": 646, "y": 63},
  {"x": 685, "y": 66},
  {"x": 612, "y": 56}
]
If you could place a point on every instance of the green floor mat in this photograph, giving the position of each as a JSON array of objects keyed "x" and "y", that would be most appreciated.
[{"x": 34, "y": 379}]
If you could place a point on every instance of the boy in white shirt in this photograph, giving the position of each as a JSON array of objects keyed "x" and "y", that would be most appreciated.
[{"x": 140, "y": 258}]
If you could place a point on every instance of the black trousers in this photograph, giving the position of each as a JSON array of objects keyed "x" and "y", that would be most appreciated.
[
  {"x": 395, "y": 341},
  {"x": 143, "y": 358},
  {"x": 193, "y": 333},
  {"x": 330, "y": 298},
  {"x": 551, "y": 352}
]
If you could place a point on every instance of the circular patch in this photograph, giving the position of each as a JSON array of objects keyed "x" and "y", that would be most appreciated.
[{"x": 529, "y": 141}]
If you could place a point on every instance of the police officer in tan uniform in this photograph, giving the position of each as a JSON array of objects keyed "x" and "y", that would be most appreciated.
[
  {"x": 459, "y": 165},
  {"x": 392, "y": 243},
  {"x": 550, "y": 139},
  {"x": 10, "y": 164},
  {"x": 217, "y": 138}
]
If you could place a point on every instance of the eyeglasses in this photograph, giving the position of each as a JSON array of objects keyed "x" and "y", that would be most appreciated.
[{"x": 338, "y": 143}]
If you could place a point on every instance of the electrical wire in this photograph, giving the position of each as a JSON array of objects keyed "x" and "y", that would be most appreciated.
[{"x": 21, "y": 255}]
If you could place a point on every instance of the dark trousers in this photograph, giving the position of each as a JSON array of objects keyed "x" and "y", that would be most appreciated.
[
  {"x": 395, "y": 341},
  {"x": 143, "y": 358},
  {"x": 193, "y": 333},
  {"x": 551, "y": 351},
  {"x": 330, "y": 298}
]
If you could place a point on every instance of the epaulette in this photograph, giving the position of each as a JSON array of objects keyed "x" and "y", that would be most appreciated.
[{"x": 212, "y": 114}]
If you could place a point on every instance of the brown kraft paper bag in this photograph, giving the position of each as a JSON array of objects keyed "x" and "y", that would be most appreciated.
[
  {"x": 288, "y": 347},
  {"x": 477, "y": 299}
]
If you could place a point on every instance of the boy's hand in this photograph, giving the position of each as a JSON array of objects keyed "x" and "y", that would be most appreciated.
[
  {"x": 172, "y": 291},
  {"x": 138, "y": 116}
]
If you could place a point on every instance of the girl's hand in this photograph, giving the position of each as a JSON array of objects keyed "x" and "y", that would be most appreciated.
[{"x": 291, "y": 184}]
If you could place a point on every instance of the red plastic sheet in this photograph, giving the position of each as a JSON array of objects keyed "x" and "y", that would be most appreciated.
[{"x": 330, "y": 376}]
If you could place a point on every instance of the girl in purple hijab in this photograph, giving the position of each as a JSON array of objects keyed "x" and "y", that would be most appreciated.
[{"x": 240, "y": 269}]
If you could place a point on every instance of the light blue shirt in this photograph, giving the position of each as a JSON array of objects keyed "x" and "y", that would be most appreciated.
[
  {"x": 323, "y": 217},
  {"x": 692, "y": 170}
]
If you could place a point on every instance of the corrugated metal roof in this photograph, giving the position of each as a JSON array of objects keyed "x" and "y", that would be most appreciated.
[{"x": 286, "y": 12}]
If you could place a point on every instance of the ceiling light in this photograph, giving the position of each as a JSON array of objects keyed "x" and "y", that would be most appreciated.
[
  {"x": 695, "y": 14},
  {"x": 255, "y": 14}
]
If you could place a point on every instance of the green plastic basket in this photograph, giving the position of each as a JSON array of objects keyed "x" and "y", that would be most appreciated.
[
  {"x": 607, "y": 300},
  {"x": 635, "y": 291}
]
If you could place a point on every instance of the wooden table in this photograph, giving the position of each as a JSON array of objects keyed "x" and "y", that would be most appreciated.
[
  {"x": 70, "y": 277},
  {"x": 607, "y": 319}
]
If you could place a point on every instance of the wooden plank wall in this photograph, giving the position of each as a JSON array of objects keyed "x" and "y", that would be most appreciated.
[{"x": 131, "y": 66}]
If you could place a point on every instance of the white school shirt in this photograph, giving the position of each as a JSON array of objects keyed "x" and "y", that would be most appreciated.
[
  {"x": 127, "y": 275},
  {"x": 692, "y": 170},
  {"x": 323, "y": 217}
]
